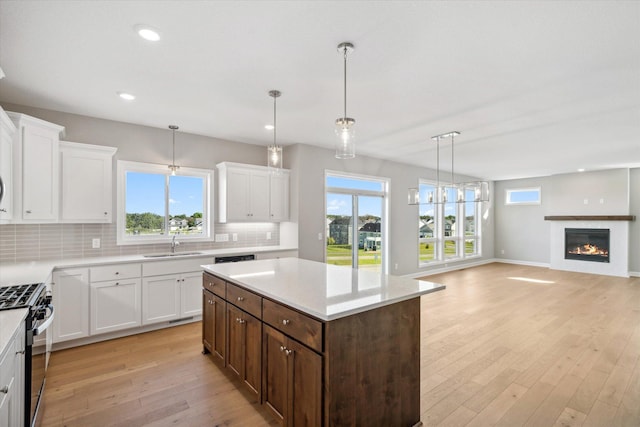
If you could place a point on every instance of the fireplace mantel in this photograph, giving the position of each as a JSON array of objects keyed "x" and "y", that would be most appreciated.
[{"x": 590, "y": 218}]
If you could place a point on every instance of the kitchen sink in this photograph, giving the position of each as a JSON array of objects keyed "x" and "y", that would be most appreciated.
[{"x": 171, "y": 254}]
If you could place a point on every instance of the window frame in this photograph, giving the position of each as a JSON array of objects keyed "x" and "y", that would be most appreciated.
[
  {"x": 459, "y": 238},
  {"x": 509, "y": 191},
  {"x": 124, "y": 166}
]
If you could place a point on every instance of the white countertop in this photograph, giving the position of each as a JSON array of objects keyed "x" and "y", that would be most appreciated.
[
  {"x": 10, "y": 321},
  {"x": 38, "y": 271},
  {"x": 324, "y": 291}
]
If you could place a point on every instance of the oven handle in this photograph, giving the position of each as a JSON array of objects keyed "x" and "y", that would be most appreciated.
[{"x": 45, "y": 324}]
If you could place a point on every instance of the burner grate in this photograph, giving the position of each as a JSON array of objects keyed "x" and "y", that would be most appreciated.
[{"x": 17, "y": 296}]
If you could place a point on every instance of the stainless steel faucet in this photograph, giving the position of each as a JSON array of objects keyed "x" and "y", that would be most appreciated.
[{"x": 174, "y": 243}]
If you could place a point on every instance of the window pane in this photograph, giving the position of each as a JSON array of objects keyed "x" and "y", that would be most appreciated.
[
  {"x": 450, "y": 250},
  {"x": 370, "y": 232},
  {"x": 339, "y": 225},
  {"x": 186, "y": 205},
  {"x": 470, "y": 247},
  {"x": 354, "y": 183},
  {"x": 145, "y": 204},
  {"x": 427, "y": 250},
  {"x": 524, "y": 196}
]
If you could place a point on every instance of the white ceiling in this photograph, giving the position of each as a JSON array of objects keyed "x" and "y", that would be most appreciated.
[{"x": 534, "y": 87}]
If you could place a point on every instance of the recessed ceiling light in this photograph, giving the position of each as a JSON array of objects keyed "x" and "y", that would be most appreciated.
[
  {"x": 126, "y": 96},
  {"x": 581, "y": 170},
  {"x": 268, "y": 127},
  {"x": 147, "y": 33}
]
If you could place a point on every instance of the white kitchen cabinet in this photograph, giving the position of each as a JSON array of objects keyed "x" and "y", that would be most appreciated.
[
  {"x": 249, "y": 193},
  {"x": 116, "y": 303},
  {"x": 7, "y": 130},
  {"x": 279, "y": 196},
  {"x": 172, "y": 289},
  {"x": 11, "y": 381},
  {"x": 71, "y": 300},
  {"x": 86, "y": 184},
  {"x": 36, "y": 169}
]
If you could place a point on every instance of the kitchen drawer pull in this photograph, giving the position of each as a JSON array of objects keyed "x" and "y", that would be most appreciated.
[
  {"x": 20, "y": 352},
  {"x": 27, "y": 211},
  {"x": 240, "y": 299},
  {"x": 4, "y": 389},
  {"x": 286, "y": 321},
  {"x": 3, "y": 210},
  {"x": 288, "y": 352},
  {"x": 117, "y": 283},
  {"x": 282, "y": 348}
]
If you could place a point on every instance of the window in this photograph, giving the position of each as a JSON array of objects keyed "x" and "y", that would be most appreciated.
[
  {"x": 450, "y": 230},
  {"x": 523, "y": 196},
  {"x": 355, "y": 221},
  {"x": 154, "y": 206}
]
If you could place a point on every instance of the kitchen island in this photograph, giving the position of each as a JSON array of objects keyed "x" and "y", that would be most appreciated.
[{"x": 318, "y": 344}]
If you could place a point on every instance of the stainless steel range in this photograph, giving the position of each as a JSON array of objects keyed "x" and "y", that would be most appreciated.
[{"x": 37, "y": 299}]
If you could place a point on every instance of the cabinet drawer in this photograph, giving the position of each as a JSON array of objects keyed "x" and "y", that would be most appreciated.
[
  {"x": 114, "y": 272},
  {"x": 175, "y": 266},
  {"x": 214, "y": 284},
  {"x": 294, "y": 324},
  {"x": 247, "y": 301}
]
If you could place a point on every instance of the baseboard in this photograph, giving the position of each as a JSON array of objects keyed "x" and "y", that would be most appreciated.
[
  {"x": 634, "y": 274},
  {"x": 519, "y": 262},
  {"x": 447, "y": 268},
  {"x": 124, "y": 333}
]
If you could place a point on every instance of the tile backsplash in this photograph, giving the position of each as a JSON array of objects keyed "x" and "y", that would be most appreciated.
[{"x": 40, "y": 242}]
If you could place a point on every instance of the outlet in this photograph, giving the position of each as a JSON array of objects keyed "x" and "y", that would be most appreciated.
[
  {"x": 586, "y": 201},
  {"x": 395, "y": 266},
  {"x": 319, "y": 236},
  {"x": 268, "y": 235},
  {"x": 222, "y": 237},
  {"x": 235, "y": 237},
  {"x": 502, "y": 252},
  {"x": 602, "y": 201},
  {"x": 95, "y": 243}
]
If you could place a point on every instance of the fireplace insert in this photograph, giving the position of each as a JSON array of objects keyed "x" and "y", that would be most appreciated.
[{"x": 586, "y": 244}]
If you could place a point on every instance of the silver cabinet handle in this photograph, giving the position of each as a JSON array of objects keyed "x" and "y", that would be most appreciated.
[
  {"x": 117, "y": 283},
  {"x": 106, "y": 213},
  {"x": 240, "y": 298},
  {"x": 20, "y": 352},
  {"x": 3, "y": 210},
  {"x": 27, "y": 211},
  {"x": 4, "y": 389},
  {"x": 282, "y": 348},
  {"x": 286, "y": 321},
  {"x": 288, "y": 352}
]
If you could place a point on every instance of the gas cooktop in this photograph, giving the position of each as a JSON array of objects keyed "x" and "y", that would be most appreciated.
[{"x": 19, "y": 296}]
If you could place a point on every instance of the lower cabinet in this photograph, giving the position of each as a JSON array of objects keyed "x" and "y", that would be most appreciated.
[
  {"x": 71, "y": 299},
  {"x": 171, "y": 296},
  {"x": 292, "y": 380},
  {"x": 245, "y": 347},
  {"x": 11, "y": 381},
  {"x": 115, "y": 305},
  {"x": 214, "y": 330}
]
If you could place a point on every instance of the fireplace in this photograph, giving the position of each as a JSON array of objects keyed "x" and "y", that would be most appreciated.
[{"x": 586, "y": 244}]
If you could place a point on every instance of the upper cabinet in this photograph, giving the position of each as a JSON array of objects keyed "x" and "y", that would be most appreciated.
[
  {"x": 249, "y": 193},
  {"x": 7, "y": 129},
  {"x": 36, "y": 169},
  {"x": 86, "y": 183}
]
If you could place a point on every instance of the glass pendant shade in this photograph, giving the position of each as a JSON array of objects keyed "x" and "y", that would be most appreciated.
[
  {"x": 345, "y": 145},
  {"x": 413, "y": 196},
  {"x": 482, "y": 192},
  {"x": 274, "y": 156}
]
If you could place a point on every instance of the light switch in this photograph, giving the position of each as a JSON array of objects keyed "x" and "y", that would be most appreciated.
[{"x": 95, "y": 243}]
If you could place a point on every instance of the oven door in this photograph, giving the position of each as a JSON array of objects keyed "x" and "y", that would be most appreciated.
[{"x": 42, "y": 340}]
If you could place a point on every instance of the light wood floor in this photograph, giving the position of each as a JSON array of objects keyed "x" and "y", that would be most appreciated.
[{"x": 503, "y": 345}]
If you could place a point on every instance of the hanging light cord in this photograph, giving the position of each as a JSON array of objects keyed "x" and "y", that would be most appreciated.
[
  {"x": 274, "y": 122},
  {"x": 452, "y": 176},
  {"x": 173, "y": 156},
  {"x": 345, "y": 81}
]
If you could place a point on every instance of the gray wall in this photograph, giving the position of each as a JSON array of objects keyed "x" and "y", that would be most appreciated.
[
  {"x": 308, "y": 166},
  {"x": 524, "y": 235},
  {"x": 521, "y": 233}
]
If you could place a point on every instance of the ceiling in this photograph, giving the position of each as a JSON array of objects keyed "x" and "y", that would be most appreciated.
[{"x": 535, "y": 87}]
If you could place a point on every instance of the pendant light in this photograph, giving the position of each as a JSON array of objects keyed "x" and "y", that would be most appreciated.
[
  {"x": 173, "y": 167},
  {"x": 345, "y": 146},
  {"x": 274, "y": 151}
]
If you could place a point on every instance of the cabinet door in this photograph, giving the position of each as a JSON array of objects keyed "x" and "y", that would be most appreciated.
[
  {"x": 71, "y": 300},
  {"x": 238, "y": 196},
  {"x": 208, "y": 321},
  {"x": 259, "y": 196},
  {"x": 274, "y": 373},
  {"x": 6, "y": 174},
  {"x": 115, "y": 305},
  {"x": 190, "y": 289},
  {"x": 279, "y": 196},
  {"x": 39, "y": 173},
  {"x": 245, "y": 347},
  {"x": 304, "y": 384},
  {"x": 160, "y": 299},
  {"x": 85, "y": 183}
]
